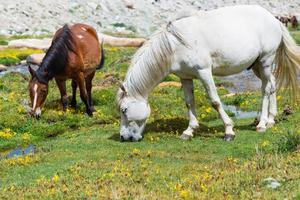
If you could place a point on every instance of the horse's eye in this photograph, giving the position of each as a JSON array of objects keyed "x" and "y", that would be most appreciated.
[
  {"x": 44, "y": 91},
  {"x": 124, "y": 110}
]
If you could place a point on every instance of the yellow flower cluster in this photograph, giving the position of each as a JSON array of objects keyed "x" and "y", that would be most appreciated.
[
  {"x": 26, "y": 137},
  {"x": 7, "y": 134},
  {"x": 26, "y": 160},
  {"x": 265, "y": 143},
  {"x": 18, "y": 54},
  {"x": 136, "y": 152}
]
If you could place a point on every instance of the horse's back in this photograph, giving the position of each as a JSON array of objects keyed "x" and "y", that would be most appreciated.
[
  {"x": 88, "y": 46},
  {"x": 231, "y": 37}
]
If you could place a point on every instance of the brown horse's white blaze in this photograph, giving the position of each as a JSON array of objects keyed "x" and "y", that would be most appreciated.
[
  {"x": 38, "y": 111},
  {"x": 75, "y": 53}
]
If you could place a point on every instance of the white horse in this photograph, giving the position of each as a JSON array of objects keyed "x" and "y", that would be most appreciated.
[{"x": 220, "y": 42}]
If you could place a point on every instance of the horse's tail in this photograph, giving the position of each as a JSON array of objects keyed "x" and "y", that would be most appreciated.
[
  {"x": 102, "y": 58},
  {"x": 288, "y": 63}
]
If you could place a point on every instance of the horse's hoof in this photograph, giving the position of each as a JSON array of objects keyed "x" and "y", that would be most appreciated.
[
  {"x": 270, "y": 124},
  {"x": 90, "y": 113},
  {"x": 261, "y": 129},
  {"x": 229, "y": 137},
  {"x": 185, "y": 137},
  {"x": 93, "y": 109}
]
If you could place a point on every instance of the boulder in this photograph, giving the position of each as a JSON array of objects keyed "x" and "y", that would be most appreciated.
[
  {"x": 35, "y": 59},
  {"x": 128, "y": 4},
  {"x": 2, "y": 68}
]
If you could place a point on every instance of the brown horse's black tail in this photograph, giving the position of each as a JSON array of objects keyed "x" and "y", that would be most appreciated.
[{"x": 102, "y": 59}]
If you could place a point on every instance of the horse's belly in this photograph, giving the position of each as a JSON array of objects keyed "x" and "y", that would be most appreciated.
[
  {"x": 233, "y": 62},
  {"x": 226, "y": 69}
]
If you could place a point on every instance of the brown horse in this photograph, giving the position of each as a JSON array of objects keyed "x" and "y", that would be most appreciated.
[{"x": 75, "y": 53}]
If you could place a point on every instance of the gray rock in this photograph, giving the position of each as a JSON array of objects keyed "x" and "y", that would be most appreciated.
[
  {"x": 272, "y": 183},
  {"x": 35, "y": 59},
  {"x": 2, "y": 68}
]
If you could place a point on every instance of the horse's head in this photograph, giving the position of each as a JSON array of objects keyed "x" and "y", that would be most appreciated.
[
  {"x": 134, "y": 114},
  {"x": 38, "y": 92}
]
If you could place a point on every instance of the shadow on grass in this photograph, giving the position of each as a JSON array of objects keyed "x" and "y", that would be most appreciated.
[{"x": 178, "y": 125}]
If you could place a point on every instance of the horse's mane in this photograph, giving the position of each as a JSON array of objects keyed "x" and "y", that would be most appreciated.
[
  {"x": 151, "y": 62},
  {"x": 57, "y": 55}
]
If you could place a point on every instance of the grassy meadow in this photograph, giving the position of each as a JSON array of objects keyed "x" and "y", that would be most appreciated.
[{"x": 79, "y": 157}]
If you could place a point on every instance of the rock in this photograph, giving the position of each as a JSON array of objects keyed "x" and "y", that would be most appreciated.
[
  {"x": 2, "y": 68},
  {"x": 30, "y": 43},
  {"x": 272, "y": 183},
  {"x": 93, "y": 5},
  {"x": 288, "y": 110},
  {"x": 128, "y": 4},
  {"x": 23, "y": 62},
  {"x": 35, "y": 59}
]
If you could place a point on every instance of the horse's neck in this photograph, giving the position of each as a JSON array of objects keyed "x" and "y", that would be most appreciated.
[
  {"x": 141, "y": 86},
  {"x": 42, "y": 75}
]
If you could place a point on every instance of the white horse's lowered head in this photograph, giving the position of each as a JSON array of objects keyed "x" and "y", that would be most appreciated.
[{"x": 206, "y": 44}]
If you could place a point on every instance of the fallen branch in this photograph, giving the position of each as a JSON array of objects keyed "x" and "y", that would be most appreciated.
[{"x": 107, "y": 40}]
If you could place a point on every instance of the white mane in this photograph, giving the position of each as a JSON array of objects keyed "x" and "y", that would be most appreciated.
[{"x": 152, "y": 62}]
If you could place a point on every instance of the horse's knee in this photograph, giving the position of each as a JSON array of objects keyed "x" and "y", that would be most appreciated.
[{"x": 216, "y": 105}]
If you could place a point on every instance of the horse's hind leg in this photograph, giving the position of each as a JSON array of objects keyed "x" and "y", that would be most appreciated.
[
  {"x": 74, "y": 89},
  {"x": 188, "y": 88},
  {"x": 63, "y": 93},
  {"x": 88, "y": 82},
  {"x": 207, "y": 79},
  {"x": 269, "y": 104},
  {"x": 83, "y": 93}
]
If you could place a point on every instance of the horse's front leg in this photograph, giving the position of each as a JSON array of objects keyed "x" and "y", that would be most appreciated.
[
  {"x": 188, "y": 89},
  {"x": 83, "y": 93},
  {"x": 88, "y": 81},
  {"x": 63, "y": 92},
  {"x": 74, "y": 89},
  {"x": 206, "y": 77}
]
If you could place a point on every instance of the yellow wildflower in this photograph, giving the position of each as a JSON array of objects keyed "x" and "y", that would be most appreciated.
[
  {"x": 265, "y": 143},
  {"x": 136, "y": 152},
  {"x": 26, "y": 137},
  {"x": 55, "y": 178},
  {"x": 208, "y": 110},
  {"x": 185, "y": 194},
  {"x": 7, "y": 134}
]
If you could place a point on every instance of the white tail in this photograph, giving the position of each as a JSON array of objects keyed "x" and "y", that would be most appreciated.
[{"x": 288, "y": 62}]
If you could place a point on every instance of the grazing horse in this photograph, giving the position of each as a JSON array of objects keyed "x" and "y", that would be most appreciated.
[
  {"x": 205, "y": 44},
  {"x": 294, "y": 22},
  {"x": 75, "y": 53}
]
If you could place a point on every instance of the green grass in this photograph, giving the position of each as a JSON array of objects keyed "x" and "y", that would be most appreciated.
[
  {"x": 12, "y": 56},
  {"x": 79, "y": 157}
]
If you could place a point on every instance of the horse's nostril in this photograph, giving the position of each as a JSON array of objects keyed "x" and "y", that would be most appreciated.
[
  {"x": 131, "y": 138},
  {"x": 122, "y": 138}
]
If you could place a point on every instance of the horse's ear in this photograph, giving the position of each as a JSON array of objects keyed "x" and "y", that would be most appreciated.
[
  {"x": 32, "y": 72},
  {"x": 122, "y": 87}
]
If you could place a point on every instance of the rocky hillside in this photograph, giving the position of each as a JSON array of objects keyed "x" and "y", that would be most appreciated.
[{"x": 140, "y": 17}]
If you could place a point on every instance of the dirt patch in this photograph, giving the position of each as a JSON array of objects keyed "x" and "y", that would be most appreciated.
[{"x": 108, "y": 80}]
